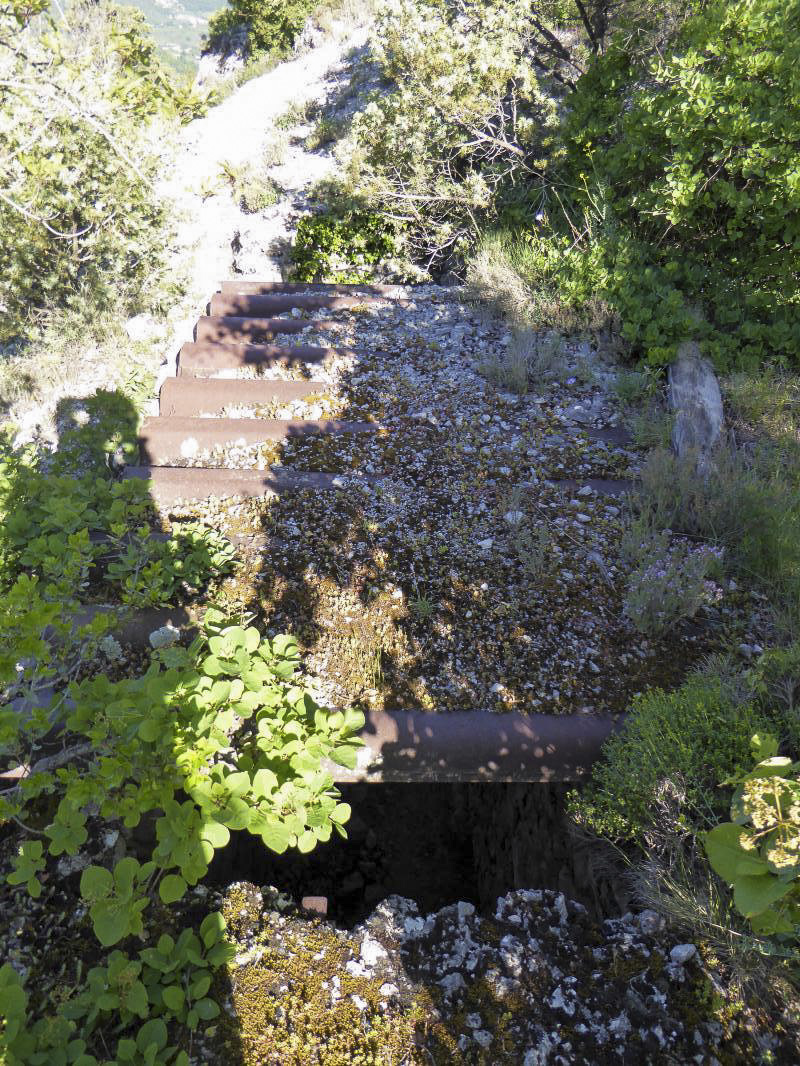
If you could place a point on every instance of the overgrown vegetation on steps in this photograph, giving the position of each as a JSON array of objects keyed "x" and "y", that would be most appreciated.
[{"x": 182, "y": 745}]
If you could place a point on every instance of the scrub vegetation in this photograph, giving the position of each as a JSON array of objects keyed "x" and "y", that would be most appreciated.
[{"x": 606, "y": 181}]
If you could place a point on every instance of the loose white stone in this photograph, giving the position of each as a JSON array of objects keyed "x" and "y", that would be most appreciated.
[
  {"x": 372, "y": 951},
  {"x": 486, "y": 544},
  {"x": 164, "y": 637},
  {"x": 452, "y": 983},
  {"x": 681, "y": 953}
]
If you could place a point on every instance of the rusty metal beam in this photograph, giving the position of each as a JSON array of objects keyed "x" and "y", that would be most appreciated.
[
  {"x": 170, "y": 485},
  {"x": 258, "y": 288},
  {"x": 204, "y": 356},
  {"x": 462, "y": 746},
  {"x": 187, "y": 395},
  {"x": 165, "y": 440},
  {"x": 258, "y": 304},
  {"x": 239, "y": 329}
]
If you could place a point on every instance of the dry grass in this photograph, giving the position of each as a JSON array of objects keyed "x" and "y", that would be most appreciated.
[
  {"x": 530, "y": 359},
  {"x": 505, "y": 275}
]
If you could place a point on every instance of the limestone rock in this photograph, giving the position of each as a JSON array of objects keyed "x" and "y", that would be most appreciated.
[
  {"x": 695, "y": 398},
  {"x": 227, "y": 57}
]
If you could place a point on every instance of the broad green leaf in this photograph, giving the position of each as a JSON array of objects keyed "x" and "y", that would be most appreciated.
[
  {"x": 212, "y": 928},
  {"x": 174, "y": 997},
  {"x": 726, "y": 855},
  {"x": 215, "y": 833},
  {"x": 96, "y": 883},
  {"x": 341, "y": 813},
  {"x": 754, "y": 894},
  {"x": 276, "y": 836},
  {"x": 110, "y": 922},
  {"x": 200, "y": 987},
  {"x": 206, "y": 1009},
  {"x": 152, "y": 1033},
  {"x": 171, "y": 888}
]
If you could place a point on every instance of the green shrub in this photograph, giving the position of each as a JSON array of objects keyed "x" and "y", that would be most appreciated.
[
  {"x": 758, "y": 852},
  {"x": 462, "y": 135},
  {"x": 272, "y": 25},
  {"x": 80, "y": 226},
  {"x": 685, "y": 186},
  {"x": 747, "y": 504},
  {"x": 341, "y": 246},
  {"x": 691, "y": 739}
]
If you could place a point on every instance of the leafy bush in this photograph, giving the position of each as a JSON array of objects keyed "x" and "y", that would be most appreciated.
[
  {"x": 211, "y": 738},
  {"x": 461, "y": 136},
  {"x": 80, "y": 227},
  {"x": 342, "y": 246},
  {"x": 691, "y": 738},
  {"x": 253, "y": 190},
  {"x": 758, "y": 852},
  {"x": 67, "y": 532},
  {"x": 685, "y": 213},
  {"x": 271, "y": 25}
]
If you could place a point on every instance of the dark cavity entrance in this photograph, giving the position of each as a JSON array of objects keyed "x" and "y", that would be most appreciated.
[{"x": 435, "y": 844}]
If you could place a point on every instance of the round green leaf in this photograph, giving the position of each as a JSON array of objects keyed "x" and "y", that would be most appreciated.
[
  {"x": 152, "y": 1033},
  {"x": 727, "y": 856},
  {"x": 174, "y": 997},
  {"x": 171, "y": 888},
  {"x": 206, "y": 1009},
  {"x": 754, "y": 894},
  {"x": 96, "y": 883}
]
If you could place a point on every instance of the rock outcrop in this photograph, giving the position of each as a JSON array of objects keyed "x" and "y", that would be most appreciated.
[{"x": 695, "y": 398}]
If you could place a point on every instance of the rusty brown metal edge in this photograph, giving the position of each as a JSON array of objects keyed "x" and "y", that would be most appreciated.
[
  {"x": 162, "y": 438},
  {"x": 229, "y": 327},
  {"x": 475, "y": 746},
  {"x": 418, "y": 747},
  {"x": 187, "y": 395},
  {"x": 215, "y": 355},
  {"x": 257, "y": 304},
  {"x": 174, "y": 484},
  {"x": 257, "y": 288}
]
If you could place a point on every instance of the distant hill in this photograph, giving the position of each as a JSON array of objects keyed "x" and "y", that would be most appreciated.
[{"x": 178, "y": 26}]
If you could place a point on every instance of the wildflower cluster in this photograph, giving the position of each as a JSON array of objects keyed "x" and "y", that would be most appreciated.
[{"x": 670, "y": 585}]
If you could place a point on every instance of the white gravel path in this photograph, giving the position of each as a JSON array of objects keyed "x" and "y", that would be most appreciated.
[{"x": 236, "y": 133}]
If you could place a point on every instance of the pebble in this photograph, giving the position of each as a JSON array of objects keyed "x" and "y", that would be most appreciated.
[{"x": 682, "y": 953}]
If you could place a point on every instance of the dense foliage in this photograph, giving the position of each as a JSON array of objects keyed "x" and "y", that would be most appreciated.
[
  {"x": 685, "y": 205},
  {"x": 271, "y": 25},
  {"x": 758, "y": 851},
  {"x": 80, "y": 227},
  {"x": 644, "y": 162},
  {"x": 461, "y": 136},
  {"x": 341, "y": 246},
  {"x": 200, "y": 741}
]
